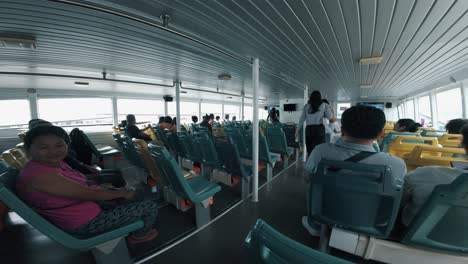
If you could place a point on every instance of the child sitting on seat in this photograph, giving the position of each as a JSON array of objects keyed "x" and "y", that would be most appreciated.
[{"x": 68, "y": 199}]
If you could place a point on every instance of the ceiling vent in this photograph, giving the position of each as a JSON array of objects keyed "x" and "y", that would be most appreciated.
[
  {"x": 370, "y": 60},
  {"x": 365, "y": 85},
  {"x": 82, "y": 83},
  {"x": 224, "y": 77},
  {"x": 18, "y": 43}
]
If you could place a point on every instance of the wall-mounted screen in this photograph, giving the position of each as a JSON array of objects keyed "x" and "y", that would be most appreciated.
[
  {"x": 289, "y": 107},
  {"x": 378, "y": 105}
]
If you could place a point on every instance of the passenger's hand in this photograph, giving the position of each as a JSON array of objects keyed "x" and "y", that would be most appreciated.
[{"x": 128, "y": 195}]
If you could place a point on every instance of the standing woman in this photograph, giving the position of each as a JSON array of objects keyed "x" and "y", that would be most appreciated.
[{"x": 313, "y": 113}]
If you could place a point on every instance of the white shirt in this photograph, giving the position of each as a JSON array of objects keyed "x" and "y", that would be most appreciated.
[{"x": 315, "y": 118}]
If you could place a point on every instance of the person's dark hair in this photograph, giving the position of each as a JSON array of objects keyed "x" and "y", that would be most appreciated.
[
  {"x": 37, "y": 122},
  {"x": 38, "y": 131},
  {"x": 226, "y": 116},
  {"x": 130, "y": 118},
  {"x": 464, "y": 132},
  {"x": 409, "y": 124},
  {"x": 161, "y": 120},
  {"x": 454, "y": 126},
  {"x": 315, "y": 100},
  {"x": 211, "y": 116},
  {"x": 168, "y": 119},
  {"x": 123, "y": 123},
  {"x": 217, "y": 118},
  {"x": 195, "y": 119},
  {"x": 363, "y": 122},
  {"x": 234, "y": 118},
  {"x": 326, "y": 101}
]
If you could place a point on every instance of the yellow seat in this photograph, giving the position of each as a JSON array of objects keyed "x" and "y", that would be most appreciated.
[
  {"x": 150, "y": 132},
  {"x": 15, "y": 157},
  {"x": 403, "y": 145},
  {"x": 425, "y": 155},
  {"x": 451, "y": 140}
]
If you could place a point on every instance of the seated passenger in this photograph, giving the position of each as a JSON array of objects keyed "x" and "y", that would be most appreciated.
[
  {"x": 406, "y": 125},
  {"x": 218, "y": 119},
  {"x": 195, "y": 119},
  {"x": 161, "y": 120},
  {"x": 420, "y": 183},
  {"x": 67, "y": 199},
  {"x": 167, "y": 123},
  {"x": 206, "y": 123},
  {"x": 454, "y": 126},
  {"x": 226, "y": 118},
  {"x": 234, "y": 119},
  {"x": 174, "y": 125},
  {"x": 360, "y": 126},
  {"x": 133, "y": 131},
  {"x": 123, "y": 124},
  {"x": 211, "y": 119}
]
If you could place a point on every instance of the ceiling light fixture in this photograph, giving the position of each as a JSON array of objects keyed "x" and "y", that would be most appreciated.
[
  {"x": 365, "y": 85},
  {"x": 18, "y": 43},
  {"x": 82, "y": 83},
  {"x": 229, "y": 97},
  {"x": 224, "y": 76},
  {"x": 364, "y": 96},
  {"x": 184, "y": 92},
  {"x": 371, "y": 60}
]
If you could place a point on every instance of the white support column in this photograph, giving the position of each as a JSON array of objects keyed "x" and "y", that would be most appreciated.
[
  {"x": 199, "y": 111},
  {"x": 464, "y": 94},
  {"x": 221, "y": 118},
  {"x": 242, "y": 105},
  {"x": 434, "y": 109},
  {"x": 177, "y": 90},
  {"x": 304, "y": 147},
  {"x": 417, "y": 117},
  {"x": 165, "y": 108},
  {"x": 255, "y": 86},
  {"x": 115, "y": 111},
  {"x": 32, "y": 97}
]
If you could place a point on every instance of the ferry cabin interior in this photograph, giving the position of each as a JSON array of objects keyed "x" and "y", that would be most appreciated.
[{"x": 89, "y": 63}]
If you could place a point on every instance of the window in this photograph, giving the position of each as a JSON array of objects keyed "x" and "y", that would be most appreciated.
[
  {"x": 449, "y": 106},
  {"x": 89, "y": 114},
  {"x": 400, "y": 111},
  {"x": 262, "y": 113},
  {"x": 187, "y": 110},
  {"x": 248, "y": 112},
  {"x": 145, "y": 111},
  {"x": 232, "y": 110},
  {"x": 425, "y": 110},
  {"x": 208, "y": 108},
  {"x": 16, "y": 120},
  {"x": 409, "y": 107},
  {"x": 340, "y": 108}
]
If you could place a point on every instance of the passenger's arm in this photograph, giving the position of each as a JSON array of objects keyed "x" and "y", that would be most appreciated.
[
  {"x": 301, "y": 121},
  {"x": 328, "y": 113},
  {"x": 56, "y": 184}
]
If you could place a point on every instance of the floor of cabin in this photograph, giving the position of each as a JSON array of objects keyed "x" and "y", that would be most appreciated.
[{"x": 281, "y": 204}]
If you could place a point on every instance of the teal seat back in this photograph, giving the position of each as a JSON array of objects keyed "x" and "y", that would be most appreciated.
[
  {"x": 90, "y": 144},
  {"x": 442, "y": 222},
  {"x": 229, "y": 156},
  {"x": 177, "y": 146},
  {"x": 359, "y": 197},
  {"x": 266, "y": 245},
  {"x": 130, "y": 152},
  {"x": 162, "y": 136},
  {"x": 392, "y": 135},
  {"x": 277, "y": 140},
  {"x": 432, "y": 133},
  {"x": 171, "y": 171},
  {"x": 193, "y": 152},
  {"x": 239, "y": 140},
  {"x": 118, "y": 140},
  {"x": 194, "y": 128},
  {"x": 290, "y": 133},
  {"x": 263, "y": 149},
  {"x": 8, "y": 196},
  {"x": 207, "y": 149}
]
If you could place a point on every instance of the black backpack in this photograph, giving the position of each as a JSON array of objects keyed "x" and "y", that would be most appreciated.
[{"x": 79, "y": 144}]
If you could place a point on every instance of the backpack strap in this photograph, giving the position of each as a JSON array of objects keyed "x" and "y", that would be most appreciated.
[{"x": 355, "y": 158}]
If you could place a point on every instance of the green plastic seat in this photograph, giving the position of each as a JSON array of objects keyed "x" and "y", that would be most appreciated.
[
  {"x": 442, "y": 222},
  {"x": 267, "y": 245},
  {"x": 391, "y": 136},
  {"x": 198, "y": 189},
  {"x": 130, "y": 152},
  {"x": 193, "y": 152},
  {"x": 99, "y": 150},
  {"x": 277, "y": 141},
  {"x": 432, "y": 133},
  {"x": 290, "y": 133},
  {"x": 359, "y": 197},
  {"x": 96, "y": 244},
  {"x": 231, "y": 162},
  {"x": 239, "y": 140},
  {"x": 207, "y": 150},
  {"x": 162, "y": 136},
  {"x": 178, "y": 147}
]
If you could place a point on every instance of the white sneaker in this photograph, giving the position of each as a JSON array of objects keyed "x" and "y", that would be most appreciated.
[{"x": 312, "y": 231}]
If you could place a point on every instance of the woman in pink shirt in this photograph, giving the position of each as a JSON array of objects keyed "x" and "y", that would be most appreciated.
[{"x": 67, "y": 199}]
